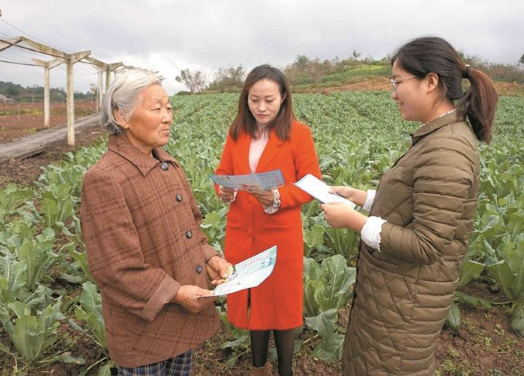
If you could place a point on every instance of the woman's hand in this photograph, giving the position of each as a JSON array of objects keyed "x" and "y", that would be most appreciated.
[
  {"x": 340, "y": 214},
  {"x": 189, "y": 297},
  {"x": 226, "y": 195},
  {"x": 218, "y": 269},
  {"x": 265, "y": 198},
  {"x": 354, "y": 195}
]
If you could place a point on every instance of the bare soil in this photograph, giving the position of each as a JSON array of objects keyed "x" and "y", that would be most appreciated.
[
  {"x": 483, "y": 345},
  {"x": 380, "y": 83},
  {"x": 23, "y": 119},
  {"x": 31, "y": 120}
]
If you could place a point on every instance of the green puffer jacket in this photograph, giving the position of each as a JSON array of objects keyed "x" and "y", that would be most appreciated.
[{"x": 404, "y": 290}]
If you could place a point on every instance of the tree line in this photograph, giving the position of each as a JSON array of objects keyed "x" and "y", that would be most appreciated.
[
  {"x": 35, "y": 93},
  {"x": 305, "y": 72}
]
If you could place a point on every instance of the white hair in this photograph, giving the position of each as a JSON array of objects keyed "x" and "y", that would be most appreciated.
[{"x": 123, "y": 95}]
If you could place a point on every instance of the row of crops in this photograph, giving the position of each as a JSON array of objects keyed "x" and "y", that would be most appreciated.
[{"x": 45, "y": 284}]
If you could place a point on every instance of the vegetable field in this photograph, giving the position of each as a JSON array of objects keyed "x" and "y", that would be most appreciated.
[{"x": 49, "y": 304}]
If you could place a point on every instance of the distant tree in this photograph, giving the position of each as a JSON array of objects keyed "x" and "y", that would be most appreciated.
[
  {"x": 475, "y": 61},
  {"x": 12, "y": 90},
  {"x": 228, "y": 77},
  {"x": 317, "y": 71},
  {"x": 79, "y": 95},
  {"x": 221, "y": 78},
  {"x": 521, "y": 60},
  {"x": 195, "y": 81},
  {"x": 292, "y": 75},
  {"x": 37, "y": 89},
  {"x": 355, "y": 55},
  {"x": 297, "y": 72},
  {"x": 301, "y": 63},
  {"x": 386, "y": 59}
]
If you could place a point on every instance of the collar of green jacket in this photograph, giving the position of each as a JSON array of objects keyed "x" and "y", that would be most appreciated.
[{"x": 438, "y": 123}]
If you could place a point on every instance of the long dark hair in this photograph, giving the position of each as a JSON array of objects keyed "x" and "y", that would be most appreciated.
[
  {"x": 245, "y": 122},
  {"x": 435, "y": 55}
]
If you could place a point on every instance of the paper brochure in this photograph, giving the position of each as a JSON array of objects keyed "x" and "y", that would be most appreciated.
[
  {"x": 248, "y": 273},
  {"x": 263, "y": 180},
  {"x": 320, "y": 190}
]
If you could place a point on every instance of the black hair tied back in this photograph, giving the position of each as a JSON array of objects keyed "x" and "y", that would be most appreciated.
[{"x": 466, "y": 72}]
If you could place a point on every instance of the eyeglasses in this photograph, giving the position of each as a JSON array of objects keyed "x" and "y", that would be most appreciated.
[{"x": 396, "y": 82}]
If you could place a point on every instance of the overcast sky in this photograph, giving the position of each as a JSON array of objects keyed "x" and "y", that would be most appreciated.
[{"x": 171, "y": 35}]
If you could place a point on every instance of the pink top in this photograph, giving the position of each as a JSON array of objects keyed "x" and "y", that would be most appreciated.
[{"x": 255, "y": 150}]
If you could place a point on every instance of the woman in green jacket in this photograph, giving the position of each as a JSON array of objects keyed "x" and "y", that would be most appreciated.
[{"x": 420, "y": 217}]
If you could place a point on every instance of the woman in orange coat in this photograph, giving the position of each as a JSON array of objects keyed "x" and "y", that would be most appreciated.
[{"x": 265, "y": 136}]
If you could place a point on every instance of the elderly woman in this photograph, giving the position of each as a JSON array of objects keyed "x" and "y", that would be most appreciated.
[{"x": 141, "y": 228}]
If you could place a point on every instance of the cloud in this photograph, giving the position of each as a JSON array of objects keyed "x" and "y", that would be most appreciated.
[{"x": 171, "y": 35}]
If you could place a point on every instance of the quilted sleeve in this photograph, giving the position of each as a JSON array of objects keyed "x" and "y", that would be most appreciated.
[{"x": 443, "y": 175}]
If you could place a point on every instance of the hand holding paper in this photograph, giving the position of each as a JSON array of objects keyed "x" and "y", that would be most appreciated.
[
  {"x": 188, "y": 296},
  {"x": 261, "y": 181},
  {"x": 320, "y": 190},
  {"x": 248, "y": 273},
  {"x": 218, "y": 269},
  {"x": 342, "y": 215},
  {"x": 227, "y": 195}
]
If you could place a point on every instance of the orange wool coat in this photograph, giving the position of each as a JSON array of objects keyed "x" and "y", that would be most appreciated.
[{"x": 277, "y": 302}]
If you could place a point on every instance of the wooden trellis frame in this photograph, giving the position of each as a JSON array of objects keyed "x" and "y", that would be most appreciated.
[{"x": 61, "y": 57}]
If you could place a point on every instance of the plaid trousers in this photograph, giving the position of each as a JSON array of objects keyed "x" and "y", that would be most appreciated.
[{"x": 178, "y": 366}]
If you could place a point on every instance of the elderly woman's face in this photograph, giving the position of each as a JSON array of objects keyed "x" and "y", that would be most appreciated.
[{"x": 149, "y": 126}]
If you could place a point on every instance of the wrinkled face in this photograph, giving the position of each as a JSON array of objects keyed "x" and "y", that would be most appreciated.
[
  {"x": 408, "y": 94},
  {"x": 149, "y": 126},
  {"x": 264, "y": 101}
]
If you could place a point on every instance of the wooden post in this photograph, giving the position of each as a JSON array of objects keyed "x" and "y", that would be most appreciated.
[
  {"x": 111, "y": 68},
  {"x": 48, "y": 65},
  {"x": 107, "y": 68},
  {"x": 69, "y": 59},
  {"x": 72, "y": 58},
  {"x": 70, "y": 105},
  {"x": 100, "y": 92},
  {"x": 46, "y": 97},
  {"x": 108, "y": 79}
]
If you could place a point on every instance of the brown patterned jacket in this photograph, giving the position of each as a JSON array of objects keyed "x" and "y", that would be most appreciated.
[{"x": 141, "y": 228}]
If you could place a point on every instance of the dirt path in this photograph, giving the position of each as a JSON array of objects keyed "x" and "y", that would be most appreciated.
[
  {"x": 24, "y": 171},
  {"x": 38, "y": 142}
]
